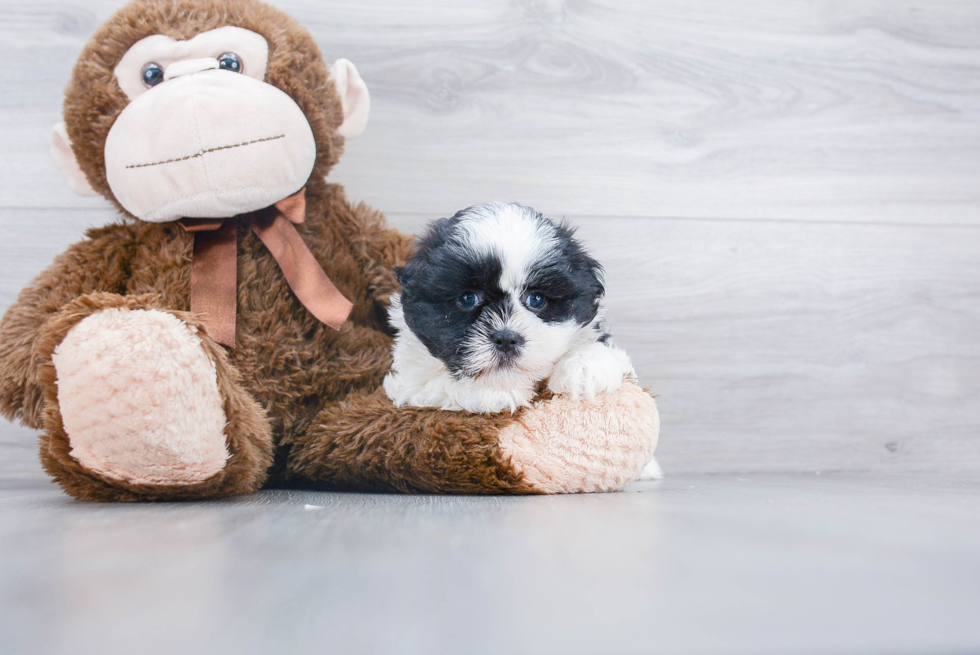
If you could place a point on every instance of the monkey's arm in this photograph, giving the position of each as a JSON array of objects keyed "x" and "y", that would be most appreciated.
[
  {"x": 99, "y": 263},
  {"x": 556, "y": 446},
  {"x": 365, "y": 443}
]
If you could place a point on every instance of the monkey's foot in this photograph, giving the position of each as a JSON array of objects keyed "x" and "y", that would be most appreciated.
[
  {"x": 141, "y": 404},
  {"x": 139, "y": 399}
]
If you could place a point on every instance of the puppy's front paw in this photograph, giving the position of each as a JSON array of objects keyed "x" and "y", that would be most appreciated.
[{"x": 589, "y": 370}]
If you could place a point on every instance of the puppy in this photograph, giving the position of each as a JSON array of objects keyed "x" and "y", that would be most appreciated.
[{"x": 495, "y": 300}]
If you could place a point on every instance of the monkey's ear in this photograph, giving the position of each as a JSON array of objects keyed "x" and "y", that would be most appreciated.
[
  {"x": 64, "y": 159},
  {"x": 354, "y": 97}
]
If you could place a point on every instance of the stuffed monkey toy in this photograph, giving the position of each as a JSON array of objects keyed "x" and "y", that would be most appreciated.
[{"x": 229, "y": 331}]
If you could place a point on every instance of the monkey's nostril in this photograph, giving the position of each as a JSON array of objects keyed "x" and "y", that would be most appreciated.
[{"x": 506, "y": 340}]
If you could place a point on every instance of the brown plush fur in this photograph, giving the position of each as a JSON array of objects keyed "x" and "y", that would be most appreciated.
[
  {"x": 365, "y": 442},
  {"x": 292, "y": 387}
]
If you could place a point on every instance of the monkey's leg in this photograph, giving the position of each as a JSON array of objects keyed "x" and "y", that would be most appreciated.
[
  {"x": 556, "y": 446},
  {"x": 140, "y": 404}
]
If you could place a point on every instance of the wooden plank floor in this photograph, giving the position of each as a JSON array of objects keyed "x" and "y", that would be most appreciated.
[
  {"x": 757, "y": 564},
  {"x": 786, "y": 199}
]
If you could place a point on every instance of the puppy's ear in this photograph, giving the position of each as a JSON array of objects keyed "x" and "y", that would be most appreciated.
[
  {"x": 598, "y": 279},
  {"x": 399, "y": 274},
  {"x": 437, "y": 234},
  {"x": 407, "y": 274},
  {"x": 580, "y": 260}
]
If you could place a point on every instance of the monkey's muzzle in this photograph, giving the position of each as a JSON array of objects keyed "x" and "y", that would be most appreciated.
[{"x": 213, "y": 144}]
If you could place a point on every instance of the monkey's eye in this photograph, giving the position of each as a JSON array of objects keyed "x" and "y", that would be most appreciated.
[
  {"x": 152, "y": 74},
  {"x": 535, "y": 300},
  {"x": 468, "y": 300},
  {"x": 230, "y": 62}
]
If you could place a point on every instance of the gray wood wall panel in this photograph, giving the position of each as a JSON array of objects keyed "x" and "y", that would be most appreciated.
[
  {"x": 785, "y": 195},
  {"x": 831, "y": 110}
]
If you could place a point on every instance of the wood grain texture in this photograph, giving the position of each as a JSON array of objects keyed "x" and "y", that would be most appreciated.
[
  {"x": 761, "y": 565},
  {"x": 833, "y": 110}
]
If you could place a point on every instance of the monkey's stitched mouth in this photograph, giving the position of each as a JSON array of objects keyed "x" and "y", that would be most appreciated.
[{"x": 201, "y": 153}]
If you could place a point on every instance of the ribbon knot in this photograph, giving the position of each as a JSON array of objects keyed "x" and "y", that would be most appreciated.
[{"x": 214, "y": 271}]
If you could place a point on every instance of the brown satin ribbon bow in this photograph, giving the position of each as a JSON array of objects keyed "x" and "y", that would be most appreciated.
[{"x": 214, "y": 275}]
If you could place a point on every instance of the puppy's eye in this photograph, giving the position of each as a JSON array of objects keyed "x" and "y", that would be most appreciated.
[
  {"x": 468, "y": 300},
  {"x": 535, "y": 300},
  {"x": 151, "y": 74},
  {"x": 230, "y": 62}
]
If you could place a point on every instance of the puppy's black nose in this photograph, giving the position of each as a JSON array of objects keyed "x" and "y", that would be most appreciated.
[{"x": 506, "y": 341}]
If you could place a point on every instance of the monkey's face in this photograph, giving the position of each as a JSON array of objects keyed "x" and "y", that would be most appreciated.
[
  {"x": 203, "y": 135},
  {"x": 201, "y": 132}
]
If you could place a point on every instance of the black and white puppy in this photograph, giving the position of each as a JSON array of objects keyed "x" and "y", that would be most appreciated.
[{"x": 496, "y": 300}]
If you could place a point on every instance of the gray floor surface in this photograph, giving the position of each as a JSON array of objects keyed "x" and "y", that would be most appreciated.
[{"x": 768, "y": 563}]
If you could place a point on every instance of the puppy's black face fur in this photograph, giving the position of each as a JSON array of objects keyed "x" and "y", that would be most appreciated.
[{"x": 497, "y": 270}]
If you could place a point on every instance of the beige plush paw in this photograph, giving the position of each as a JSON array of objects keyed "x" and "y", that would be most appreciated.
[
  {"x": 568, "y": 446},
  {"x": 139, "y": 399}
]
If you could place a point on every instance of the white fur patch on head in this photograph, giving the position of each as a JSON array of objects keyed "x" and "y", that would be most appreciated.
[
  {"x": 513, "y": 233},
  {"x": 139, "y": 399}
]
